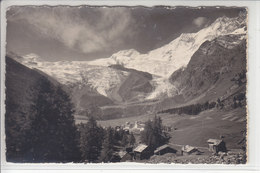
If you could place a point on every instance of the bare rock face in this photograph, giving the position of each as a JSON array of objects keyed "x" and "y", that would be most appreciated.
[{"x": 215, "y": 61}]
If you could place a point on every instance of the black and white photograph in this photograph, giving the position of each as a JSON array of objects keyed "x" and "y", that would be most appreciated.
[{"x": 107, "y": 84}]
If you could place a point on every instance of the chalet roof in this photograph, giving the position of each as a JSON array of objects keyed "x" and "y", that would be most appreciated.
[
  {"x": 188, "y": 148},
  {"x": 161, "y": 148},
  {"x": 214, "y": 141},
  {"x": 121, "y": 153},
  {"x": 140, "y": 148}
]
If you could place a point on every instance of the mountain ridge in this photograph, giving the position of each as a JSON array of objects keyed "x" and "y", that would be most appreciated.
[
  {"x": 129, "y": 77},
  {"x": 160, "y": 63},
  {"x": 177, "y": 53}
]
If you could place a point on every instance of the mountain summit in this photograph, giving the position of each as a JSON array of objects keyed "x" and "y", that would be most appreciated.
[{"x": 169, "y": 58}]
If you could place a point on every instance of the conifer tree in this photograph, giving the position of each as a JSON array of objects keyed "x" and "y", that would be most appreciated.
[
  {"x": 148, "y": 131},
  {"x": 125, "y": 139},
  {"x": 107, "y": 146},
  {"x": 152, "y": 134},
  {"x": 91, "y": 137},
  {"x": 53, "y": 135}
]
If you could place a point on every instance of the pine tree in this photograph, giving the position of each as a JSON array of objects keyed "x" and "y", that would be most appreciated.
[
  {"x": 53, "y": 135},
  {"x": 107, "y": 146},
  {"x": 16, "y": 130},
  {"x": 125, "y": 139},
  {"x": 91, "y": 137},
  {"x": 148, "y": 130},
  {"x": 152, "y": 134}
]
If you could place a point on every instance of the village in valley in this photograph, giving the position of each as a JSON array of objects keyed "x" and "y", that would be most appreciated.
[{"x": 166, "y": 152}]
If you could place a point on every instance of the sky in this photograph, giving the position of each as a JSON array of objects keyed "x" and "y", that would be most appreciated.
[{"x": 58, "y": 33}]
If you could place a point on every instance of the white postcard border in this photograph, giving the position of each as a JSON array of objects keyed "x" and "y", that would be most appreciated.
[{"x": 252, "y": 95}]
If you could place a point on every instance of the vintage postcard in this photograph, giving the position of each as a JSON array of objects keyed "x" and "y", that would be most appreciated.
[{"x": 108, "y": 84}]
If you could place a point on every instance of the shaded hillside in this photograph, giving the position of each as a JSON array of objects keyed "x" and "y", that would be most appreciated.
[
  {"x": 20, "y": 60},
  {"x": 20, "y": 82},
  {"x": 83, "y": 96},
  {"x": 211, "y": 71},
  {"x": 120, "y": 67},
  {"x": 38, "y": 115},
  {"x": 135, "y": 86},
  {"x": 87, "y": 101}
]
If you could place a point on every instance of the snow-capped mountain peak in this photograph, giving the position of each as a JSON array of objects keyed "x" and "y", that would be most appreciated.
[{"x": 165, "y": 60}]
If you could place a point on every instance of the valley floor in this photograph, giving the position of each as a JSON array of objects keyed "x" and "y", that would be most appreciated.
[{"x": 195, "y": 130}]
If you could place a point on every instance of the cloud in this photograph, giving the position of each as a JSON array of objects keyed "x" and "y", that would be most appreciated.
[
  {"x": 86, "y": 29},
  {"x": 199, "y": 21}
]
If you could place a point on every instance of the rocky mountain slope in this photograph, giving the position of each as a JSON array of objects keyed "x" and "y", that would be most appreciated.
[
  {"x": 162, "y": 62},
  {"x": 212, "y": 68},
  {"x": 215, "y": 74}
]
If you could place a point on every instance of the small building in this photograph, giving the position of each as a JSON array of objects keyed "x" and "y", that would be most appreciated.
[
  {"x": 216, "y": 145},
  {"x": 118, "y": 128},
  {"x": 115, "y": 158},
  {"x": 167, "y": 128},
  {"x": 125, "y": 156},
  {"x": 164, "y": 149},
  {"x": 142, "y": 151},
  {"x": 136, "y": 127},
  {"x": 188, "y": 150}
]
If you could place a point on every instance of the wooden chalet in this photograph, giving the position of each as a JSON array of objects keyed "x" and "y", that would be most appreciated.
[
  {"x": 164, "y": 149},
  {"x": 216, "y": 145},
  {"x": 125, "y": 156},
  {"x": 142, "y": 151},
  {"x": 188, "y": 150}
]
